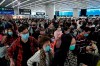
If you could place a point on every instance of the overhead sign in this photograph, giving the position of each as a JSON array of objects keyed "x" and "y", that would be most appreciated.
[
  {"x": 40, "y": 13},
  {"x": 25, "y": 11},
  {"x": 8, "y": 11}
]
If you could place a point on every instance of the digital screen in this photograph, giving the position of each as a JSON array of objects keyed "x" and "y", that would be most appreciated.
[
  {"x": 93, "y": 12},
  {"x": 89, "y": 12},
  {"x": 40, "y": 13},
  {"x": 25, "y": 11},
  {"x": 67, "y": 13},
  {"x": 8, "y": 11}
]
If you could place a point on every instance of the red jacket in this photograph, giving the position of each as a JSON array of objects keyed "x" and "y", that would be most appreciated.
[{"x": 17, "y": 46}]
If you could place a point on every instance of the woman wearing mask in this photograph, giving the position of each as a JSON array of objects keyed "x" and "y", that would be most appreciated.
[
  {"x": 7, "y": 40},
  {"x": 50, "y": 30},
  {"x": 71, "y": 59},
  {"x": 67, "y": 42},
  {"x": 57, "y": 34},
  {"x": 9, "y": 37},
  {"x": 43, "y": 56}
]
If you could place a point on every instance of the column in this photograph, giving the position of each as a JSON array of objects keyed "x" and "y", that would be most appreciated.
[
  {"x": 50, "y": 10},
  {"x": 16, "y": 11},
  {"x": 75, "y": 12}
]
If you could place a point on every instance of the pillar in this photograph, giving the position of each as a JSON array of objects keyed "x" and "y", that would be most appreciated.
[
  {"x": 16, "y": 11},
  {"x": 50, "y": 10},
  {"x": 75, "y": 12}
]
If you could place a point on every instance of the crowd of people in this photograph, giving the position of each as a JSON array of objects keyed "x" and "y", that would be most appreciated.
[{"x": 43, "y": 42}]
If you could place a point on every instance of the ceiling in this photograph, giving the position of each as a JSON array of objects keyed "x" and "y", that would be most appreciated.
[{"x": 59, "y": 4}]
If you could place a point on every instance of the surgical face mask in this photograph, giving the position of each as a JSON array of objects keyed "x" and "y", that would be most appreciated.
[
  {"x": 10, "y": 33},
  {"x": 72, "y": 47},
  {"x": 86, "y": 35},
  {"x": 25, "y": 36},
  {"x": 47, "y": 49}
]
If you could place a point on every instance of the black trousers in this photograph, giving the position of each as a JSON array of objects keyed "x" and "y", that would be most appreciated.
[
  {"x": 3, "y": 62},
  {"x": 59, "y": 59}
]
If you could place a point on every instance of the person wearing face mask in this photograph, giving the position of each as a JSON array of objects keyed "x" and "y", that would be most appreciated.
[
  {"x": 61, "y": 55},
  {"x": 50, "y": 30},
  {"x": 22, "y": 48},
  {"x": 57, "y": 34},
  {"x": 82, "y": 37},
  {"x": 83, "y": 46},
  {"x": 78, "y": 31},
  {"x": 71, "y": 59},
  {"x": 9, "y": 37},
  {"x": 42, "y": 57}
]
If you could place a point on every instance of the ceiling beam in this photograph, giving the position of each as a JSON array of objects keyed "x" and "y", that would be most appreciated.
[
  {"x": 2, "y": 2},
  {"x": 11, "y": 3},
  {"x": 30, "y": 3},
  {"x": 20, "y": 3},
  {"x": 35, "y": 3}
]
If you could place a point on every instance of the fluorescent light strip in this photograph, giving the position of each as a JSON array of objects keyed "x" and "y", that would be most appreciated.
[
  {"x": 11, "y": 3},
  {"x": 42, "y": 3},
  {"x": 31, "y": 3},
  {"x": 2, "y": 2},
  {"x": 36, "y": 2},
  {"x": 21, "y": 3}
]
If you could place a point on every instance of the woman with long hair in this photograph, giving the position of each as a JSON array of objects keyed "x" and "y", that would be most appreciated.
[{"x": 42, "y": 57}]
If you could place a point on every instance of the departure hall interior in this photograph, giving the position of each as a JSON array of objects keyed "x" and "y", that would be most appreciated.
[{"x": 49, "y": 32}]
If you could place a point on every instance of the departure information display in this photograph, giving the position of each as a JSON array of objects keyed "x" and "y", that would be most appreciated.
[
  {"x": 8, "y": 11},
  {"x": 25, "y": 11},
  {"x": 40, "y": 13}
]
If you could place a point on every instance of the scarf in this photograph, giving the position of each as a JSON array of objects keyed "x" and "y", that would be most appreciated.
[{"x": 43, "y": 58}]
